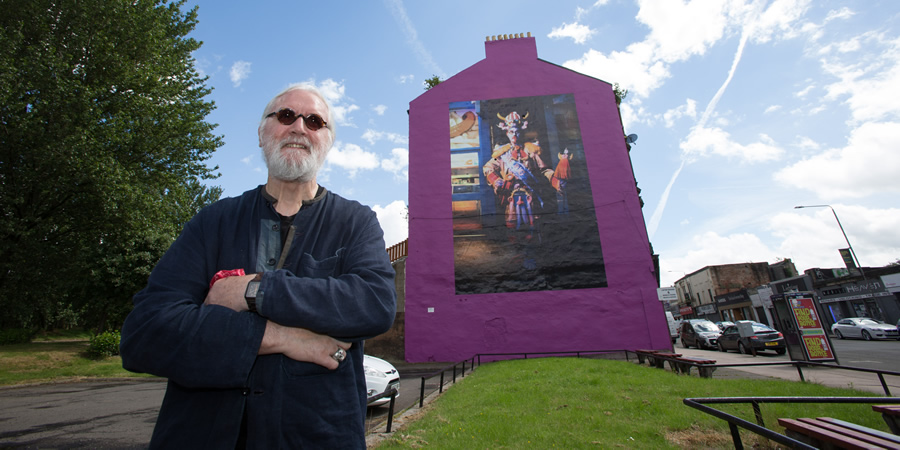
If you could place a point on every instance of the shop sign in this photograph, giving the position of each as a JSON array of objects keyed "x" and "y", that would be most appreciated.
[
  {"x": 686, "y": 310},
  {"x": 815, "y": 342}
]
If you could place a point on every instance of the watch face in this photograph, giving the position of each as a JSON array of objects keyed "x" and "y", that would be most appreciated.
[{"x": 252, "y": 288}]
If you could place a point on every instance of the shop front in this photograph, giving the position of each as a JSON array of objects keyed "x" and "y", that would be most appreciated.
[
  {"x": 735, "y": 306},
  {"x": 867, "y": 298}
]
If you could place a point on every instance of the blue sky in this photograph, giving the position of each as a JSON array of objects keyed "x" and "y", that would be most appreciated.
[{"x": 743, "y": 109}]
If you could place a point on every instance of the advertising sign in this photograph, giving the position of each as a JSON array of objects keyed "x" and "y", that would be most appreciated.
[
  {"x": 815, "y": 342},
  {"x": 847, "y": 257},
  {"x": 667, "y": 294}
]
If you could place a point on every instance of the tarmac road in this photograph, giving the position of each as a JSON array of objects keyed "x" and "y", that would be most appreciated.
[{"x": 82, "y": 415}]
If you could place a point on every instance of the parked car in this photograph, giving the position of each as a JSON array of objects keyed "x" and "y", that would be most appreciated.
[
  {"x": 763, "y": 338},
  {"x": 724, "y": 324},
  {"x": 864, "y": 327},
  {"x": 381, "y": 376},
  {"x": 700, "y": 333}
]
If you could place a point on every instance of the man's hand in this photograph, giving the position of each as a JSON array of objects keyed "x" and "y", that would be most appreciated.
[
  {"x": 229, "y": 292},
  {"x": 301, "y": 344}
]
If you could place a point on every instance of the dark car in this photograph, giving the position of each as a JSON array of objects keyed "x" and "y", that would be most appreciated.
[
  {"x": 763, "y": 338},
  {"x": 700, "y": 333}
]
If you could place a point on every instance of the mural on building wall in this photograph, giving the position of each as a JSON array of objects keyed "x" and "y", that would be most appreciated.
[{"x": 523, "y": 212}]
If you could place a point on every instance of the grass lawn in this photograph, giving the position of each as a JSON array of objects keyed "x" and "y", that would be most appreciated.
[
  {"x": 596, "y": 403},
  {"x": 56, "y": 357}
]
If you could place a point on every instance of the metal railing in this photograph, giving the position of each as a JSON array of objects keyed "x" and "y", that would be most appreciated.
[
  {"x": 760, "y": 427},
  {"x": 441, "y": 373},
  {"x": 392, "y": 393}
]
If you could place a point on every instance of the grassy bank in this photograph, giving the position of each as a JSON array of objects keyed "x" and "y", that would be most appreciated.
[
  {"x": 56, "y": 357},
  {"x": 585, "y": 403}
]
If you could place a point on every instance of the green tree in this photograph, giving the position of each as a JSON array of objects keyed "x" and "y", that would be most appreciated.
[
  {"x": 103, "y": 149},
  {"x": 620, "y": 93},
  {"x": 432, "y": 82}
]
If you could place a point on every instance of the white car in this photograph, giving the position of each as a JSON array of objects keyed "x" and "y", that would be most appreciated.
[
  {"x": 381, "y": 376},
  {"x": 863, "y": 327}
]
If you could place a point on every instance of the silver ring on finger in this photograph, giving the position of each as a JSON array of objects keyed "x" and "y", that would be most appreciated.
[{"x": 339, "y": 355}]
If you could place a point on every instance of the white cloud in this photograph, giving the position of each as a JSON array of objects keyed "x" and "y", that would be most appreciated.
[
  {"x": 866, "y": 166},
  {"x": 341, "y": 105},
  {"x": 814, "y": 237},
  {"x": 688, "y": 109},
  {"x": 870, "y": 83},
  {"x": 704, "y": 142},
  {"x": 240, "y": 70},
  {"x": 806, "y": 143},
  {"x": 403, "y": 79},
  {"x": 352, "y": 158},
  {"x": 380, "y": 109},
  {"x": 373, "y": 136},
  {"x": 634, "y": 69},
  {"x": 578, "y": 32},
  {"x": 581, "y": 12},
  {"x": 772, "y": 109},
  {"x": 804, "y": 92},
  {"x": 680, "y": 30},
  {"x": 393, "y": 221},
  {"x": 711, "y": 249},
  {"x": 398, "y": 164}
]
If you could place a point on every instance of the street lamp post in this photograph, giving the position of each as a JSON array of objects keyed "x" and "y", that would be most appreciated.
[{"x": 852, "y": 252}]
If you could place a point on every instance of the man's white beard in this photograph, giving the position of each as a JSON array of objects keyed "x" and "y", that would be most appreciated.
[{"x": 286, "y": 166}]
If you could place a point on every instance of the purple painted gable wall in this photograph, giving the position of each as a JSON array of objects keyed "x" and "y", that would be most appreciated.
[{"x": 625, "y": 315}]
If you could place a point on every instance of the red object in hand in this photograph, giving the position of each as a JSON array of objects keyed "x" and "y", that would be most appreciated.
[{"x": 224, "y": 274}]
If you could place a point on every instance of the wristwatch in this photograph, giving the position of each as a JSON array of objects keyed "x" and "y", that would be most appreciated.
[{"x": 252, "y": 289}]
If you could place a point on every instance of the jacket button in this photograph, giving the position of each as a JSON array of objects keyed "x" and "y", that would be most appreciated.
[
  {"x": 275, "y": 227},
  {"x": 245, "y": 391},
  {"x": 271, "y": 261}
]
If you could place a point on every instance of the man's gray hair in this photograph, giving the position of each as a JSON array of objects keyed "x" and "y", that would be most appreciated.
[{"x": 308, "y": 87}]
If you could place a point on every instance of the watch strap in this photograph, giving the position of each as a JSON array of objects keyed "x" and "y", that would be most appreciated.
[{"x": 250, "y": 293}]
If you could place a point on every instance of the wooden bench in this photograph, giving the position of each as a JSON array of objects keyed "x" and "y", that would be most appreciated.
[
  {"x": 825, "y": 432},
  {"x": 891, "y": 415},
  {"x": 658, "y": 359},
  {"x": 644, "y": 354},
  {"x": 684, "y": 364}
]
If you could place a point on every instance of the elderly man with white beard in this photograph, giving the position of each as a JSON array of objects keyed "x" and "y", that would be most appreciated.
[{"x": 257, "y": 313}]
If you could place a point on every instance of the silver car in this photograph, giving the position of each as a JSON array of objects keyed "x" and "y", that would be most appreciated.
[{"x": 864, "y": 327}]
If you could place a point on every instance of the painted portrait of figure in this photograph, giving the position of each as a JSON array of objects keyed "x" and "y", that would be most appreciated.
[{"x": 523, "y": 212}]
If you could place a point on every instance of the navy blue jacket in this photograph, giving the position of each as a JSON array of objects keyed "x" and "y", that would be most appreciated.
[{"x": 335, "y": 279}]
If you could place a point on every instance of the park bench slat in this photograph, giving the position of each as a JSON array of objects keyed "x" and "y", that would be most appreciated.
[
  {"x": 814, "y": 431},
  {"x": 891, "y": 416},
  {"x": 886, "y": 436}
]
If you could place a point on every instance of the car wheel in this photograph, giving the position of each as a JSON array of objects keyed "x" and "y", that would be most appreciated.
[
  {"x": 780, "y": 351},
  {"x": 838, "y": 334},
  {"x": 742, "y": 349},
  {"x": 684, "y": 344},
  {"x": 722, "y": 348},
  {"x": 866, "y": 335}
]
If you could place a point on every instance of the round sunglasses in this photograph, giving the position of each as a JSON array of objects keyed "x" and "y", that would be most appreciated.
[{"x": 287, "y": 116}]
